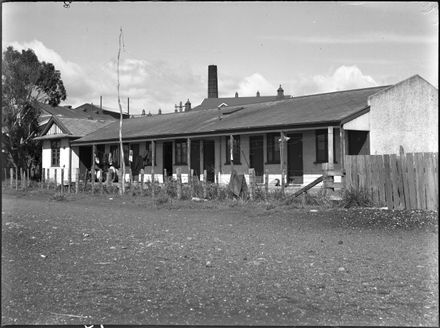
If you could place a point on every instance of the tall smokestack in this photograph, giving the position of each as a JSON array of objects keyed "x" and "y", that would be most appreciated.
[{"x": 212, "y": 82}]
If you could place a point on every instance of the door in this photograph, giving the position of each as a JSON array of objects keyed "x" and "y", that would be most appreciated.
[
  {"x": 256, "y": 157},
  {"x": 195, "y": 157},
  {"x": 85, "y": 159},
  {"x": 168, "y": 157},
  {"x": 209, "y": 159},
  {"x": 295, "y": 159}
]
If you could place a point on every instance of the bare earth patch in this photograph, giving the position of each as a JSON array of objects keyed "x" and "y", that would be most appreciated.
[{"x": 123, "y": 261}]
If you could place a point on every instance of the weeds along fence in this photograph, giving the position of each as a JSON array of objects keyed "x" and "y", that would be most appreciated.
[
  {"x": 60, "y": 180},
  {"x": 404, "y": 181}
]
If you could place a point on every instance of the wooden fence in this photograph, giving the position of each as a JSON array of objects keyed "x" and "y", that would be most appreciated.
[{"x": 404, "y": 181}]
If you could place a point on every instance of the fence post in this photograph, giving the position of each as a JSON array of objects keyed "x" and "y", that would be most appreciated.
[
  {"x": 85, "y": 181},
  {"x": 120, "y": 181},
  {"x": 28, "y": 177},
  {"x": 21, "y": 178},
  {"x": 11, "y": 177},
  {"x": 69, "y": 173},
  {"x": 179, "y": 183},
  {"x": 56, "y": 180},
  {"x": 6, "y": 175},
  {"x": 101, "y": 187},
  {"x": 252, "y": 183},
  {"x": 76, "y": 180},
  {"x": 43, "y": 176},
  {"x": 190, "y": 181},
  {"x": 266, "y": 183},
  {"x": 216, "y": 176},
  {"x": 205, "y": 184},
  {"x": 16, "y": 178},
  {"x": 165, "y": 175},
  {"x": 142, "y": 179},
  {"x": 62, "y": 181},
  {"x": 48, "y": 179},
  {"x": 283, "y": 173}
]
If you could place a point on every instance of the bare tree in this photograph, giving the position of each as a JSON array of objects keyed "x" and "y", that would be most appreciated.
[{"x": 121, "y": 157}]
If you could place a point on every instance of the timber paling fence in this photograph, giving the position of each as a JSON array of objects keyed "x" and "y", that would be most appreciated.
[{"x": 404, "y": 181}]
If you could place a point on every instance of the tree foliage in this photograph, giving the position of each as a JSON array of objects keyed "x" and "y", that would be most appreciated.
[{"x": 25, "y": 82}]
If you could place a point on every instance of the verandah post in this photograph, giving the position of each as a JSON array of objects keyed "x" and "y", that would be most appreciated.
[
  {"x": 93, "y": 165},
  {"x": 142, "y": 179},
  {"x": 282, "y": 140},
  {"x": 56, "y": 180},
  {"x": 188, "y": 159},
  {"x": 153, "y": 161}
]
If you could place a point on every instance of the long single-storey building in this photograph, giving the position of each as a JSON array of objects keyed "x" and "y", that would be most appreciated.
[{"x": 316, "y": 129}]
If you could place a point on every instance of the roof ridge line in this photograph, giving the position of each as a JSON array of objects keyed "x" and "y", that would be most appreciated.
[{"x": 340, "y": 91}]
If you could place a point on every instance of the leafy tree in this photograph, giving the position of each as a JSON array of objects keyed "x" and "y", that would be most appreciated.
[{"x": 25, "y": 82}]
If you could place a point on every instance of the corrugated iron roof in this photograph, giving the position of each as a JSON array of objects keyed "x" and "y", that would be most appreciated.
[
  {"x": 305, "y": 110},
  {"x": 210, "y": 103},
  {"x": 59, "y": 111}
]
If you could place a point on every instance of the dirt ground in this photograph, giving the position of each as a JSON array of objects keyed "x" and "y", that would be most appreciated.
[{"x": 92, "y": 259}]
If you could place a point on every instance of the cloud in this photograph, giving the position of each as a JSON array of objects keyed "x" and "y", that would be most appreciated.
[
  {"x": 149, "y": 85},
  {"x": 247, "y": 86},
  {"x": 367, "y": 38},
  {"x": 343, "y": 78}
]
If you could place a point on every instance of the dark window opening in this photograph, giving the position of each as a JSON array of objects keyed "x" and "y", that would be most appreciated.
[
  {"x": 273, "y": 148},
  {"x": 55, "y": 146},
  {"x": 181, "y": 148},
  {"x": 322, "y": 146}
]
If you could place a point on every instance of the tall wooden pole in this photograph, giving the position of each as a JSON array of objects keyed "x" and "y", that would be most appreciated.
[
  {"x": 93, "y": 164},
  {"x": 121, "y": 156},
  {"x": 188, "y": 160},
  {"x": 231, "y": 151},
  {"x": 153, "y": 159},
  {"x": 330, "y": 147},
  {"x": 282, "y": 141}
]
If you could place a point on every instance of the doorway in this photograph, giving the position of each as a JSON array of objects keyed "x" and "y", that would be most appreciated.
[
  {"x": 209, "y": 159},
  {"x": 256, "y": 155},
  {"x": 167, "y": 157},
  {"x": 85, "y": 159},
  {"x": 195, "y": 157},
  {"x": 295, "y": 159}
]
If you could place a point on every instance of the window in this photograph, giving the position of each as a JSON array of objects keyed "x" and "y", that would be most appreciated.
[
  {"x": 236, "y": 150},
  {"x": 181, "y": 152},
  {"x": 148, "y": 158},
  {"x": 55, "y": 146},
  {"x": 273, "y": 148},
  {"x": 322, "y": 146}
]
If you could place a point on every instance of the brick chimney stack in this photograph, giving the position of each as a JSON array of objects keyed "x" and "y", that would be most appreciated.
[
  {"x": 212, "y": 82},
  {"x": 187, "y": 106},
  {"x": 280, "y": 93}
]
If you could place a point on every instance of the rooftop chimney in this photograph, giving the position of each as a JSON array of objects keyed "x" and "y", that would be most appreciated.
[
  {"x": 280, "y": 93},
  {"x": 236, "y": 95},
  {"x": 212, "y": 82},
  {"x": 187, "y": 106},
  {"x": 258, "y": 93}
]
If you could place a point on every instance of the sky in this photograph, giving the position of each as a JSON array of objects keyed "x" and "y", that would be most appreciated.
[{"x": 166, "y": 47}]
